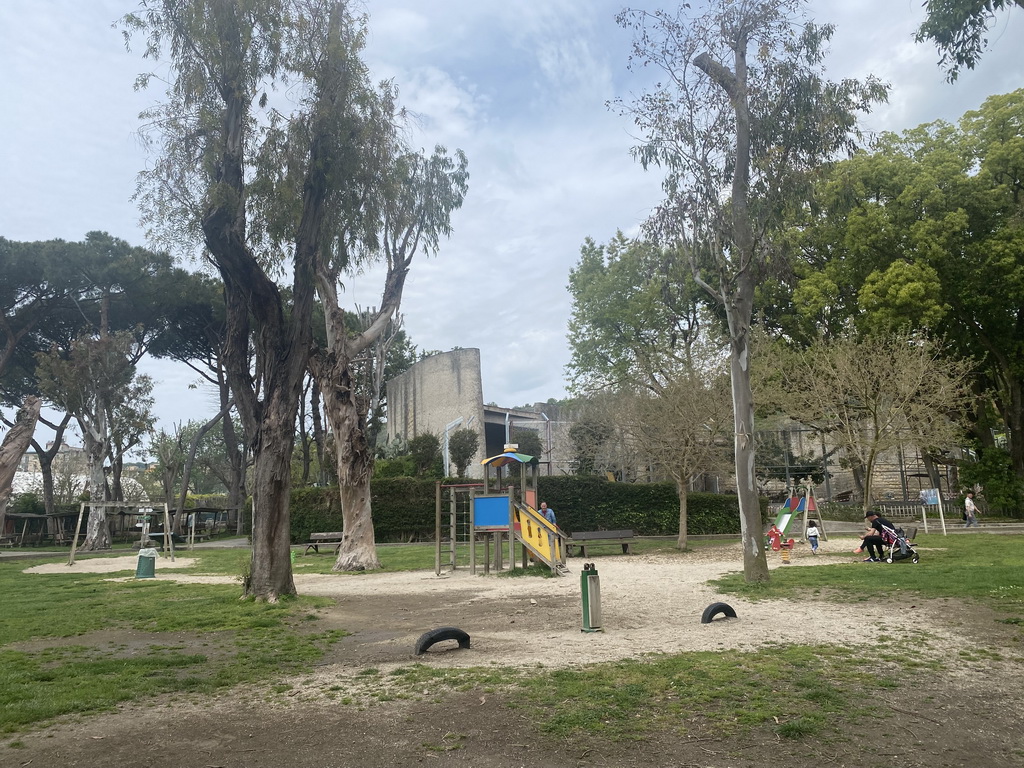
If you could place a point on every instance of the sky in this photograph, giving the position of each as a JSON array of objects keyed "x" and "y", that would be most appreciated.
[{"x": 520, "y": 86}]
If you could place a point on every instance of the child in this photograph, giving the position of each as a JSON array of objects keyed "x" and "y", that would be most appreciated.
[
  {"x": 774, "y": 537},
  {"x": 812, "y": 536}
]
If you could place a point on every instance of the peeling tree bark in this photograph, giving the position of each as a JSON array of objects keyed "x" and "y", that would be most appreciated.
[
  {"x": 347, "y": 420},
  {"x": 15, "y": 444}
]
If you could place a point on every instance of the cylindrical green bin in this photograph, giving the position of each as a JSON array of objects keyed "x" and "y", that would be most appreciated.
[{"x": 146, "y": 568}]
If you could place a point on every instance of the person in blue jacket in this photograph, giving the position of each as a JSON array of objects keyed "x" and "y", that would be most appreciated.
[{"x": 549, "y": 514}]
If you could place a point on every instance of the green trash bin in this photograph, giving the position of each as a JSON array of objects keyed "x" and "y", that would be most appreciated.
[{"x": 146, "y": 569}]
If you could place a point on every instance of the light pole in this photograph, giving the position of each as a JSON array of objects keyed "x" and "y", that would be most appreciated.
[{"x": 447, "y": 428}]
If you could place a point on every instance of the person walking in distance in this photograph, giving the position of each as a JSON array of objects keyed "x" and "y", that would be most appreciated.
[{"x": 970, "y": 511}]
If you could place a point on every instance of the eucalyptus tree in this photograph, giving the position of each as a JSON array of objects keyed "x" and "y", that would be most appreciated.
[
  {"x": 742, "y": 116},
  {"x": 275, "y": 151},
  {"x": 958, "y": 28},
  {"x": 415, "y": 205}
]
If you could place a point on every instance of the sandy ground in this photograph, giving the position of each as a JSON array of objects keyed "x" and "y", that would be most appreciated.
[
  {"x": 650, "y": 604},
  {"x": 348, "y": 711}
]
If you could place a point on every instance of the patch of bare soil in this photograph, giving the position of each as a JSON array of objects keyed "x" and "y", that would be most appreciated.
[{"x": 971, "y": 714}]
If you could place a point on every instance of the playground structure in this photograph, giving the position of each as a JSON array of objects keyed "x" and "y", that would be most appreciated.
[
  {"x": 799, "y": 507},
  {"x": 492, "y": 515}
]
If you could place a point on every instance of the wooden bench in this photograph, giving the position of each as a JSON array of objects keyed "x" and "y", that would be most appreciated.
[
  {"x": 583, "y": 539},
  {"x": 316, "y": 539},
  {"x": 199, "y": 534}
]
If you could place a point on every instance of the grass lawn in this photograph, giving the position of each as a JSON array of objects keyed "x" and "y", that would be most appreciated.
[
  {"x": 57, "y": 658},
  {"x": 980, "y": 567}
]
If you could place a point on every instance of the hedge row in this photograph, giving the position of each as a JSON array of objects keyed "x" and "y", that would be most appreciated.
[
  {"x": 403, "y": 508},
  {"x": 649, "y": 509}
]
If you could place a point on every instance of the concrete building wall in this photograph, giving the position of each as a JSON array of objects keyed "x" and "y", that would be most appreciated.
[{"x": 435, "y": 392}]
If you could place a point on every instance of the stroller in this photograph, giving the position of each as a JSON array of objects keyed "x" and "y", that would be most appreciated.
[{"x": 899, "y": 545}]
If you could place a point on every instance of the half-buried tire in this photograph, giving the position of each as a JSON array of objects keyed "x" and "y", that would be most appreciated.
[
  {"x": 440, "y": 634},
  {"x": 714, "y": 610}
]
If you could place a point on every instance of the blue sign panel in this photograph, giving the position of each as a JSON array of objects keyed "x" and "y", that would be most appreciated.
[{"x": 490, "y": 513}]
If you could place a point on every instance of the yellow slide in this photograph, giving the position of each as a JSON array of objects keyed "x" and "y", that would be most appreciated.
[{"x": 540, "y": 537}]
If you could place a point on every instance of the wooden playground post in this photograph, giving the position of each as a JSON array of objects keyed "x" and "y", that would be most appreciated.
[
  {"x": 168, "y": 534},
  {"x": 437, "y": 528},
  {"x": 78, "y": 527}
]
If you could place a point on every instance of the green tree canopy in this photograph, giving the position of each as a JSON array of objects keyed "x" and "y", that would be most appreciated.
[
  {"x": 742, "y": 117},
  {"x": 925, "y": 232},
  {"x": 636, "y": 313}
]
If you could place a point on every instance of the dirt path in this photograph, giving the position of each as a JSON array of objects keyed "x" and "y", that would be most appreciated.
[{"x": 651, "y": 605}]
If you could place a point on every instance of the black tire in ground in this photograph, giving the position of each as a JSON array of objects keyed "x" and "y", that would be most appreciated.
[
  {"x": 427, "y": 639},
  {"x": 717, "y": 608}
]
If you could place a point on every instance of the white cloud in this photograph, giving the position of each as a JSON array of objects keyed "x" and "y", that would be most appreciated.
[{"x": 520, "y": 85}]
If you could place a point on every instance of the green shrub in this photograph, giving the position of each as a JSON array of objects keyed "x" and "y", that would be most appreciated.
[
  {"x": 404, "y": 508},
  {"x": 649, "y": 509},
  {"x": 400, "y": 466},
  {"x": 210, "y": 500},
  {"x": 27, "y": 504}
]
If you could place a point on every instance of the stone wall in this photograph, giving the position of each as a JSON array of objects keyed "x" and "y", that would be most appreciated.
[{"x": 435, "y": 392}]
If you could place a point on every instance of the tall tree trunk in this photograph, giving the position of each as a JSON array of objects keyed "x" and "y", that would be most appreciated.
[
  {"x": 304, "y": 440},
  {"x": 682, "y": 493},
  {"x": 190, "y": 460},
  {"x": 15, "y": 444},
  {"x": 358, "y": 550},
  {"x": 236, "y": 457},
  {"x": 1013, "y": 414},
  {"x": 116, "y": 470},
  {"x": 236, "y": 485},
  {"x": 270, "y": 574},
  {"x": 97, "y": 531},
  {"x": 325, "y": 475},
  {"x": 46, "y": 457},
  {"x": 755, "y": 565},
  {"x": 735, "y": 290}
]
